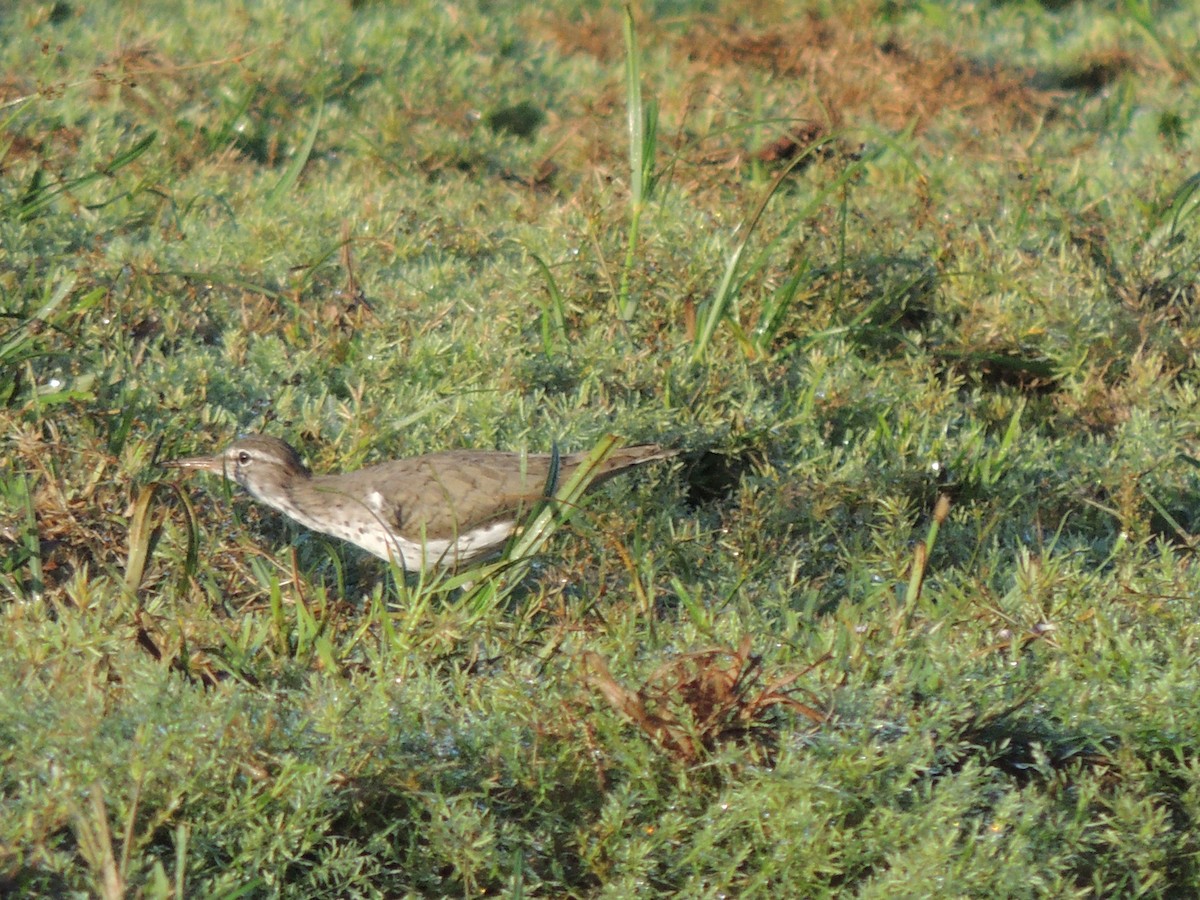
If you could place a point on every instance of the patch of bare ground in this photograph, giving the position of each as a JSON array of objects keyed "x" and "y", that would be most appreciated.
[{"x": 823, "y": 74}]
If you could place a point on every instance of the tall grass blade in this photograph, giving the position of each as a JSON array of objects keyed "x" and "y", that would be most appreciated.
[
  {"x": 544, "y": 521},
  {"x": 642, "y": 127},
  {"x": 226, "y": 132},
  {"x": 13, "y": 348},
  {"x": 776, "y": 308},
  {"x": 17, "y": 495},
  {"x": 732, "y": 279},
  {"x": 559, "y": 508},
  {"x": 554, "y": 315},
  {"x": 635, "y": 122},
  {"x": 292, "y": 173},
  {"x": 40, "y": 194},
  {"x": 921, "y": 552},
  {"x": 1182, "y": 60},
  {"x": 143, "y": 535}
]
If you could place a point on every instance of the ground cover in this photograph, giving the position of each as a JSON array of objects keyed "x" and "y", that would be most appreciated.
[{"x": 913, "y": 288}]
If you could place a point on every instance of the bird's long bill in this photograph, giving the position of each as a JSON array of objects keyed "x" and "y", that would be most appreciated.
[{"x": 214, "y": 464}]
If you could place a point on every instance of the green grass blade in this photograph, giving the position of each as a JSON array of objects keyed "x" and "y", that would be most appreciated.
[
  {"x": 776, "y": 307},
  {"x": 13, "y": 347},
  {"x": 544, "y": 521},
  {"x": 554, "y": 317},
  {"x": 291, "y": 174},
  {"x": 726, "y": 292},
  {"x": 40, "y": 195},
  {"x": 143, "y": 535},
  {"x": 1182, "y": 60},
  {"x": 558, "y": 510},
  {"x": 732, "y": 278},
  {"x": 635, "y": 121},
  {"x": 18, "y": 496},
  {"x": 642, "y": 134}
]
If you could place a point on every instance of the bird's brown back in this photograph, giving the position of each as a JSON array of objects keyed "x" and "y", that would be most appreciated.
[{"x": 445, "y": 494}]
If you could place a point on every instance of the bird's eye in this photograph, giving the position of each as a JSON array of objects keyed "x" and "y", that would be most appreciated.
[{"x": 244, "y": 458}]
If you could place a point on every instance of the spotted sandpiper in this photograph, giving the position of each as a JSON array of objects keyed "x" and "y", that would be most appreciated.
[{"x": 443, "y": 509}]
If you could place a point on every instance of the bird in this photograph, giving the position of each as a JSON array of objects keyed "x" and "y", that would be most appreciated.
[{"x": 441, "y": 510}]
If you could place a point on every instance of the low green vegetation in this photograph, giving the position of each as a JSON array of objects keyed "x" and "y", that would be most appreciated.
[{"x": 912, "y": 286}]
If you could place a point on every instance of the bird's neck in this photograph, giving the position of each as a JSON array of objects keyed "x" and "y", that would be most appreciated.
[{"x": 284, "y": 491}]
